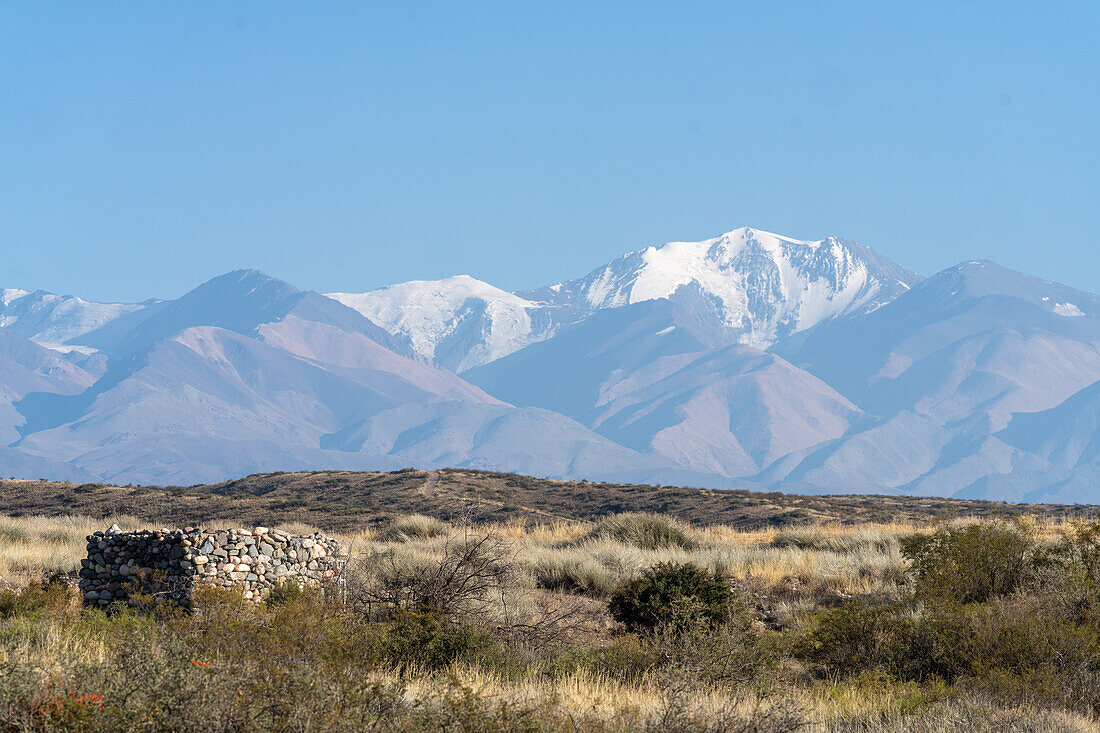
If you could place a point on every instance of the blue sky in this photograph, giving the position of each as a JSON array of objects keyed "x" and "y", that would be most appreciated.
[{"x": 146, "y": 148}]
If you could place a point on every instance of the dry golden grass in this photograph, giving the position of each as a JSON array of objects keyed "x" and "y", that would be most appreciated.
[
  {"x": 32, "y": 546},
  {"x": 598, "y": 697},
  {"x": 856, "y": 560},
  {"x": 809, "y": 561}
]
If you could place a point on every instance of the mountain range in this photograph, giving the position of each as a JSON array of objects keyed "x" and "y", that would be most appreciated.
[{"x": 750, "y": 360}]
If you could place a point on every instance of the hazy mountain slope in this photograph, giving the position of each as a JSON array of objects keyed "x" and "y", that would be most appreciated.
[
  {"x": 27, "y": 367},
  {"x": 451, "y": 434},
  {"x": 651, "y": 377},
  {"x": 241, "y": 301},
  {"x": 356, "y": 357},
  {"x": 957, "y": 355},
  {"x": 1067, "y": 435},
  {"x": 1065, "y": 444},
  {"x": 749, "y": 359},
  {"x": 974, "y": 342},
  {"x": 576, "y": 371},
  {"x": 200, "y": 403},
  {"x": 880, "y": 458},
  {"x": 1076, "y": 487},
  {"x": 729, "y": 412},
  {"x": 17, "y": 464}
]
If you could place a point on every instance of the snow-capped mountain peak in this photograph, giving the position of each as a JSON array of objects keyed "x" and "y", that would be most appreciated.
[
  {"x": 763, "y": 286},
  {"x": 53, "y": 320},
  {"x": 658, "y": 271},
  {"x": 9, "y": 295},
  {"x": 458, "y": 321}
]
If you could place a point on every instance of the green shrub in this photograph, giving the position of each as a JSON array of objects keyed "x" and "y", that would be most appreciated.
[
  {"x": 733, "y": 653},
  {"x": 730, "y": 653},
  {"x": 429, "y": 640},
  {"x": 628, "y": 658},
  {"x": 644, "y": 531},
  {"x": 1066, "y": 574},
  {"x": 857, "y": 637},
  {"x": 458, "y": 707},
  {"x": 48, "y": 599},
  {"x": 968, "y": 565},
  {"x": 672, "y": 594},
  {"x": 1004, "y": 638},
  {"x": 1017, "y": 636},
  {"x": 287, "y": 592}
]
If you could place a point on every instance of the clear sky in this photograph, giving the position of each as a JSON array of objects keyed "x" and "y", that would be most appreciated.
[{"x": 145, "y": 148}]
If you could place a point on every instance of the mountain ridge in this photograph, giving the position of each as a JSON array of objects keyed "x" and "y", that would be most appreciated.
[
  {"x": 745, "y": 360},
  {"x": 246, "y": 371}
]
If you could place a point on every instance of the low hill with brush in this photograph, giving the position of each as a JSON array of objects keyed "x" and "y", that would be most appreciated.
[{"x": 345, "y": 500}]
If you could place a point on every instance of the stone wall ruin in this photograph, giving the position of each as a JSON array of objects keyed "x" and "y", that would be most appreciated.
[{"x": 167, "y": 565}]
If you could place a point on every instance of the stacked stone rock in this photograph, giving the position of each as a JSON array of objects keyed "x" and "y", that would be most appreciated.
[{"x": 167, "y": 564}]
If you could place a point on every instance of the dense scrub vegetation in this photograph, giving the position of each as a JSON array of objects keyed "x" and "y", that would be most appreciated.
[
  {"x": 633, "y": 623},
  {"x": 990, "y": 608}
]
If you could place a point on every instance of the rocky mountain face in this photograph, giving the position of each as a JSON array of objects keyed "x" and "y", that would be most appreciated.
[{"x": 748, "y": 360}]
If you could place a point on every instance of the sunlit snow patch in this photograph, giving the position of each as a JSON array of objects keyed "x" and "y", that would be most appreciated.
[
  {"x": 1069, "y": 310},
  {"x": 68, "y": 348}
]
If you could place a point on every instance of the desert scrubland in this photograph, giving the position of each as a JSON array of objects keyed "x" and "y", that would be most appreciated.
[{"x": 633, "y": 621}]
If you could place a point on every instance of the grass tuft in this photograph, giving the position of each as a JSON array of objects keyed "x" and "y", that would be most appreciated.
[
  {"x": 567, "y": 573},
  {"x": 415, "y": 527},
  {"x": 645, "y": 531},
  {"x": 821, "y": 540}
]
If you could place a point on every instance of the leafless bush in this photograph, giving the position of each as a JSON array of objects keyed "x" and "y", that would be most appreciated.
[
  {"x": 554, "y": 621},
  {"x": 471, "y": 576},
  {"x": 729, "y": 655}
]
